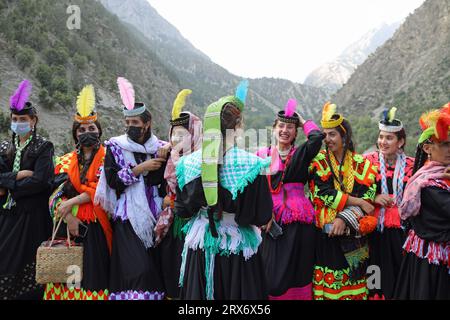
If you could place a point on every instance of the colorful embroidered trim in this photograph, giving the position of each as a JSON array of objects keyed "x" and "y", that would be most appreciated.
[
  {"x": 436, "y": 253},
  {"x": 58, "y": 291},
  {"x": 136, "y": 295},
  {"x": 331, "y": 284}
]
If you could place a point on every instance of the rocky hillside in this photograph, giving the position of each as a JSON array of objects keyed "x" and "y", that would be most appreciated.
[{"x": 411, "y": 71}]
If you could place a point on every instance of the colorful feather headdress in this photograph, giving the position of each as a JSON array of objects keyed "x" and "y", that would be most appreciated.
[
  {"x": 179, "y": 118},
  {"x": 131, "y": 108},
  {"x": 289, "y": 115},
  {"x": 212, "y": 140},
  {"x": 388, "y": 123},
  {"x": 435, "y": 124},
  {"x": 328, "y": 113},
  {"x": 86, "y": 105},
  {"x": 19, "y": 103}
]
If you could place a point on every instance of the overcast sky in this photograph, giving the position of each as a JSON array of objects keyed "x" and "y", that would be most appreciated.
[{"x": 278, "y": 38}]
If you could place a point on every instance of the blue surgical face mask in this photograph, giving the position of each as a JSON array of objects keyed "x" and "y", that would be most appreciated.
[{"x": 21, "y": 128}]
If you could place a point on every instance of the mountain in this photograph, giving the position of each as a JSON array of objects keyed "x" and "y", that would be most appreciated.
[
  {"x": 208, "y": 80},
  {"x": 333, "y": 75},
  {"x": 141, "y": 46},
  {"x": 36, "y": 44},
  {"x": 410, "y": 71}
]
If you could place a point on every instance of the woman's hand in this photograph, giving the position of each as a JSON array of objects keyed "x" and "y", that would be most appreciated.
[
  {"x": 366, "y": 206},
  {"x": 2, "y": 192},
  {"x": 338, "y": 228},
  {"x": 65, "y": 209},
  {"x": 302, "y": 121},
  {"x": 154, "y": 164},
  {"x": 163, "y": 152},
  {"x": 167, "y": 202},
  {"x": 267, "y": 227},
  {"x": 384, "y": 200},
  {"x": 24, "y": 174},
  {"x": 73, "y": 223}
]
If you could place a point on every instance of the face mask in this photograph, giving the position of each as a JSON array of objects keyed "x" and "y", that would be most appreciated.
[
  {"x": 134, "y": 133},
  {"x": 20, "y": 128},
  {"x": 88, "y": 139}
]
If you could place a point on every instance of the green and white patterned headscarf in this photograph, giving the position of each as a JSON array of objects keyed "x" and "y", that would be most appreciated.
[{"x": 213, "y": 141}]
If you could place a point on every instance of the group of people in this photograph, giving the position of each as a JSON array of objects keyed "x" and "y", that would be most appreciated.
[{"x": 198, "y": 218}]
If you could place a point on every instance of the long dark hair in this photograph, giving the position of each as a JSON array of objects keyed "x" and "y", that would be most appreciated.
[
  {"x": 231, "y": 117},
  {"x": 146, "y": 117},
  {"x": 421, "y": 156}
]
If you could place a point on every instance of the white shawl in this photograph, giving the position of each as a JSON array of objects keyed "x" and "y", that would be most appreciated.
[{"x": 133, "y": 201}]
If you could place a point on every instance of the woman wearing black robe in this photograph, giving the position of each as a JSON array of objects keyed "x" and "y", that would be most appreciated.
[
  {"x": 220, "y": 258},
  {"x": 425, "y": 270},
  {"x": 24, "y": 215}
]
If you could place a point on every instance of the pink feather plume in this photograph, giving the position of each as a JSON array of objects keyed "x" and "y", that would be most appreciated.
[
  {"x": 126, "y": 93},
  {"x": 21, "y": 96},
  {"x": 290, "y": 108}
]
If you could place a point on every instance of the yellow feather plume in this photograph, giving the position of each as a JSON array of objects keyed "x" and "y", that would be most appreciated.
[
  {"x": 86, "y": 101},
  {"x": 391, "y": 114},
  {"x": 429, "y": 119},
  {"x": 328, "y": 111},
  {"x": 179, "y": 103}
]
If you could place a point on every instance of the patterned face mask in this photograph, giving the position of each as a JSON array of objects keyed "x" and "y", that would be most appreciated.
[{"x": 21, "y": 128}]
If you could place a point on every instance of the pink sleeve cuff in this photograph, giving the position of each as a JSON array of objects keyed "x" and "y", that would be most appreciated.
[{"x": 310, "y": 126}]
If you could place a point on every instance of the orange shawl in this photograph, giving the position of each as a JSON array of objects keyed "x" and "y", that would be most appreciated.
[{"x": 89, "y": 212}]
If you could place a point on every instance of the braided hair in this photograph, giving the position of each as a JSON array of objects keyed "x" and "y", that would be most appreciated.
[{"x": 421, "y": 156}]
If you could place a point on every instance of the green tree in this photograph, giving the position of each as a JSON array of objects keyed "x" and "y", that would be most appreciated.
[
  {"x": 25, "y": 57},
  {"x": 62, "y": 99},
  {"x": 44, "y": 75},
  {"x": 44, "y": 99},
  {"x": 57, "y": 56},
  {"x": 59, "y": 84},
  {"x": 79, "y": 61}
]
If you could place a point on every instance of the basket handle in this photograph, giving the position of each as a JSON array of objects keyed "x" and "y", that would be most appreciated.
[{"x": 55, "y": 231}]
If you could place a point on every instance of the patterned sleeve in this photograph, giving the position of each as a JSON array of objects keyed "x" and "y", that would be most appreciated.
[
  {"x": 323, "y": 192},
  {"x": 365, "y": 179}
]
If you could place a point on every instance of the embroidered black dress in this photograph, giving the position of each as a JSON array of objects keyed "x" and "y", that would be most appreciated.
[
  {"x": 135, "y": 271},
  {"x": 289, "y": 260},
  {"x": 425, "y": 270},
  {"x": 27, "y": 224}
]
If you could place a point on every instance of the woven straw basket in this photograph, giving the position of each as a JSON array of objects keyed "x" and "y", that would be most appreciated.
[{"x": 55, "y": 258}]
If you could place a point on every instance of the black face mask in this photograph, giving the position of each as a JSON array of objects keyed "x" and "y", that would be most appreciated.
[
  {"x": 135, "y": 133},
  {"x": 88, "y": 139}
]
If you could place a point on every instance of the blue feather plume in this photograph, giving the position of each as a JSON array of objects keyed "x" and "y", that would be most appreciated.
[
  {"x": 385, "y": 114},
  {"x": 242, "y": 90}
]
